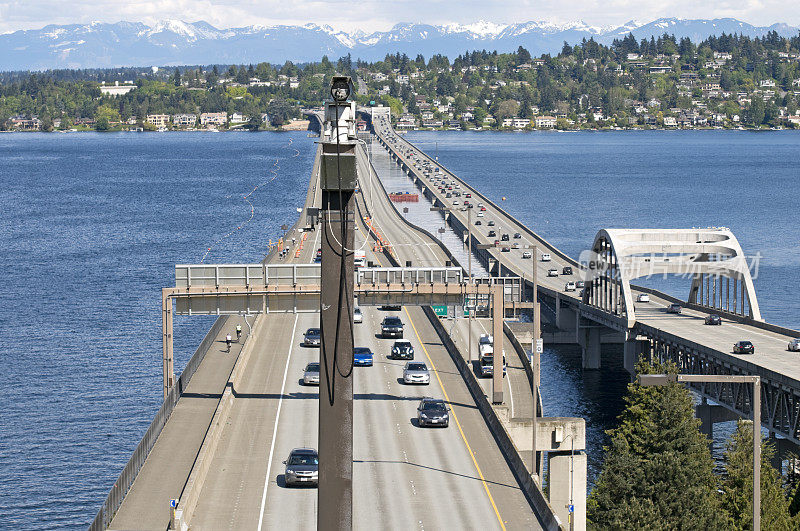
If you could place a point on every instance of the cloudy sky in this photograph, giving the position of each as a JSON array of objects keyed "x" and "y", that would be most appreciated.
[{"x": 371, "y": 15}]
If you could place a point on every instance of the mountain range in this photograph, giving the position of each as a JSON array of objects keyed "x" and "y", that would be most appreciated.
[{"x": 174, "y": 42}]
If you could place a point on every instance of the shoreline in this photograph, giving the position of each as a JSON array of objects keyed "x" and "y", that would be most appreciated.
[{"x": 293, "y": 129}]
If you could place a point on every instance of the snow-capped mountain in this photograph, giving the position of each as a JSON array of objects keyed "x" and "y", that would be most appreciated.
[{"x": 175, "y": 42}]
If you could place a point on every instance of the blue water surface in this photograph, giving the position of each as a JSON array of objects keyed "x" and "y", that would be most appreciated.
[{"x": 93, "y": 225}]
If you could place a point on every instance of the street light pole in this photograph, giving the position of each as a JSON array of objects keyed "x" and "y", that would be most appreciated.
[
  {"x": 665, "y": 379},
  {"x": 474, "y": 302},
  {"x": 536, "y": 360}
]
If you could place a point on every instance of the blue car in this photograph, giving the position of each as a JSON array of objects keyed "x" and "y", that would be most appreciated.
[{"x": 362, "y": 357}]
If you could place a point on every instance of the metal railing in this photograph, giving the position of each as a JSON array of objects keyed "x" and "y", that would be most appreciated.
[
  {"x": 128, "y": 475},
  {"x": 411, "y": 275}
]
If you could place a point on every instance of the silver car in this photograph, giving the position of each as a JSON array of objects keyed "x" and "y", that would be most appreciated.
[
  {"x": 311, "y": 374},
  {"x": 416, "y": 372},
  {"x": 302, "y": 467},
  {"x": 794, "y": 345}
]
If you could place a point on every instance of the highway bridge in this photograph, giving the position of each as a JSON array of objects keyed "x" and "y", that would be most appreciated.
[
  {"x": 213, "y": 457},
  {"x": 610, "y": 305},
  {"x": 215, "y": 452}
]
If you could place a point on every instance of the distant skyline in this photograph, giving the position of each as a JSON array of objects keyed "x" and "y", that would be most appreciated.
[{"x": 375, "y": 15}]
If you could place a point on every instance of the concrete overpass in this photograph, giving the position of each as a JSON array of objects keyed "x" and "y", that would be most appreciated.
[{"x": 647, "y": 329}]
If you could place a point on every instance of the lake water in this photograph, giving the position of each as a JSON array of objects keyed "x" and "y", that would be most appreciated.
[
  {"x": 92, "y": 228},
  {"x": 93, "y": 225}
]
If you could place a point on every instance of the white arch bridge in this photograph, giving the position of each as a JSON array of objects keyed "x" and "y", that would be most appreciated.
[{"x": 711, "y": 258}]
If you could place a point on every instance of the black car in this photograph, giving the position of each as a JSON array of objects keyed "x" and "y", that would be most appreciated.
[
  {"x": 492, "y": 234},
  {"x": 743, "y": 347},
  {"x": 390, "y": 307},
  {"x": 392, "y": 327},
  {"x": 312, "y": 337},
  {"x": 433, "y": 412},
  {"x": 302, "y": 467},
  {"x": 674, "y": 308},
  {"x": 567, "y": 270},
  {"x": 504, "y": 238},
  {"x": 478, "y": 222},
  {"x": 713, "y": 319},
  {"x": 402, "y": 350},
  {"x": 517, "y": 235}
]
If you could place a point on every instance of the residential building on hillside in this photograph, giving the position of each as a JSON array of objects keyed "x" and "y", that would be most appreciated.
[
  {"x": 184, "y": 120},
  {"x": 545, "y": 122},
  {"x": 158, "y": 120},
  {"x": 213, "y": 118}
]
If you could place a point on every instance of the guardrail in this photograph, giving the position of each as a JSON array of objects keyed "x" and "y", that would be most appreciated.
[
  {"x": 194, "y": 485},
  {"x": 529, "y": 487},
  {"x": 131, "y": 470}
]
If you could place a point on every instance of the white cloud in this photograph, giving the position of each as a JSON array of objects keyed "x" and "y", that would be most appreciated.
[{"x": 371, "y": 15}]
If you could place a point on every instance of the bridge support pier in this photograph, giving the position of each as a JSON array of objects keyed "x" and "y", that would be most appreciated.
[
  {"x": 633, "y": 350},
  {"x": 566, "y": 317},
  {"x": 567, "y": 484},
  {"x": 711, "y": 414},
  {"x": 589, "y": 339}
]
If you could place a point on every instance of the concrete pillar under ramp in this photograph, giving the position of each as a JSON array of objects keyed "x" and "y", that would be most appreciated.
[
  {"x": 634, "y": 348},
  {"x": 589, "y": 339},
  {"x": 567, "y": 485}
]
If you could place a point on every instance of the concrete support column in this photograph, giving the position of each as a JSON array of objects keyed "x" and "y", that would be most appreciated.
[
  {"x": 567, "y": 484},
  {"x": 558, "y": 311},
  {"x": 497, "y": 332},
  {"x": 590, "y": 347},
  {"x": 633, "y": 349},
  {"x": 712, "y": 414}
]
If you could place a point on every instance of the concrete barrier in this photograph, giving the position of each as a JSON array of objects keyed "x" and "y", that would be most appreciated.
[
  {"x": 194, "y": 485},
  {"x": 529, "y": 487},
  {"x": 131, "y": 470}
]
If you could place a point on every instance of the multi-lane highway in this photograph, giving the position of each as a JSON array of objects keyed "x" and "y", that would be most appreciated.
[
  {"x": 404, "y": 476},
  {"x": 400, "y": 470}
]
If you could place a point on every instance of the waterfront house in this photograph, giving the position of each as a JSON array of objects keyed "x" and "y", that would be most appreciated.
[
  {"x": 184, "y": 120},
  {"x": 158, "y": 120},
  {"x": 213, "y": 118},
  {"x": 545, "y": 122},
  {"x": 239, "y": 118}
]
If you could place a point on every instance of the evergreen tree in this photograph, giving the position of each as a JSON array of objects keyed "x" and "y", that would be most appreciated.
[
  {"x": 658, "y": 471},
  {"x": 737, "y": 485}
]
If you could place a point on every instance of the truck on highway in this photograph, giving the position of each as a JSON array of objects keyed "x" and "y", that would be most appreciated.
[
  {"x": 486, "y": 353},
  {"x": 359, "y": 257}
]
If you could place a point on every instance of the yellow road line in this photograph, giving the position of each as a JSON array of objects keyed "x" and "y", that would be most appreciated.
[
  {"x": 455, "y": 417},
  {"x": 461, "y": 431}
]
